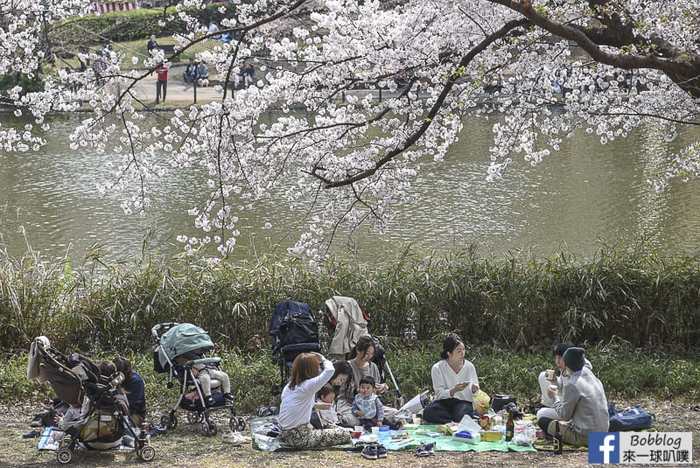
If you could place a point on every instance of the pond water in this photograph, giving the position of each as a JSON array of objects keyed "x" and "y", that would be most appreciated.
[{"x": 584, "y": 195}]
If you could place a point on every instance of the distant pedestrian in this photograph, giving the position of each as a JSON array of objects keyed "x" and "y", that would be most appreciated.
[
  {"x": 152, "y": 44},
  {"x": 162, "y": 82},
  {"x": 247, "y": 74}
]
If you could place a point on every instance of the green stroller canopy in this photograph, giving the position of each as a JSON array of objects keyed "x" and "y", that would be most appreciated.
[{"x": 182, "y": 339}]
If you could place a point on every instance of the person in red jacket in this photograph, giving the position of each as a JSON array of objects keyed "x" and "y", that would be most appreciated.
[{"x": 162, "y": 82}]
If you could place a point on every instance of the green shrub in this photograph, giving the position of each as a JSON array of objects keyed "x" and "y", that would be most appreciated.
[{"x": 639, "y": 300}]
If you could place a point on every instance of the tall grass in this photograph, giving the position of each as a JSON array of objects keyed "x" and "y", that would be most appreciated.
[{"x": 520, "y": 302}]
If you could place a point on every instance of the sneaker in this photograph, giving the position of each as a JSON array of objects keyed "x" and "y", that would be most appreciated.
[
  {"x": 381, "y": 451},
  {"x": 425, "y": 450},
  {"x": 228, "y": 397},
  {"x": 370, "y": 452},
  {"x": 209, "y": 401}
]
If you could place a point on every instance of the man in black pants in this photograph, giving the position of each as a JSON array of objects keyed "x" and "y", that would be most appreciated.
[{"x": 162, "y": 83}]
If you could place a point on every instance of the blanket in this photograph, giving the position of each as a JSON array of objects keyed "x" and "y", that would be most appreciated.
[{"x": 443, "y": 443}]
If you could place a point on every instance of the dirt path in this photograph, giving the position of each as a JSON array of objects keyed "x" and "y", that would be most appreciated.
[
  {"x": 185, "y": 447},
  {"x": 178, "y": 94},
  {"x": 181, "y": 94}
]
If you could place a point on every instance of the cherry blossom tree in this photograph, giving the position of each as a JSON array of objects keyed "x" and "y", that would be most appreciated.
[{"x": 344, "y": 157}]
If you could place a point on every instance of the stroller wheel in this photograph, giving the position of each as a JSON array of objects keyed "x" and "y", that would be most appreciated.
[
  {"x": 147, "y": 453},
  {"x": 209, "y": 428},
  {"x": 236, "y": 424},
  {"x": 169, "y": 421},
  {"x": 194, "y": 418},
  {"x": 64, "y": 456}
]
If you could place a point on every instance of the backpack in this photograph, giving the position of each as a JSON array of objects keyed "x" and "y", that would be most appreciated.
[
  {"x": 298, "y": 328},
  {"x": 292, "y": 323},
  {"x": 630, "y": 419}
]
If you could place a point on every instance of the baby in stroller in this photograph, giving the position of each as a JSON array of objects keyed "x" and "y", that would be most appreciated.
[
  {"x": 206, "y": 373},
  {"x": 98, "y": 415},
  {"x": 180, "y": 351}
]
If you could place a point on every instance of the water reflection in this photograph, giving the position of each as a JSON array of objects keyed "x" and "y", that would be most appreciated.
[{"x": 585, "y": 193}]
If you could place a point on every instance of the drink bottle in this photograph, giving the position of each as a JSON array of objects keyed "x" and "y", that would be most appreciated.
[{"x": 510, "y": 428}]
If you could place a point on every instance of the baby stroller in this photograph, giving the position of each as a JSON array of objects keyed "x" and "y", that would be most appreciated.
[
  {"x": 294, "y": 331},
  {"x": 346, "y": 323},
  {"x": 102, "y": 421},
  {"x": 187, "y": 343}
]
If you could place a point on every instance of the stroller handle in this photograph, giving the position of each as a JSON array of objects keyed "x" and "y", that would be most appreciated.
[{"x": 160, "y": 328}]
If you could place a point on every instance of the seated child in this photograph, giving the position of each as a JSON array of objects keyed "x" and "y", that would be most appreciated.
[
  {"x": 325, "y": 408},
  {"x": 205, "y": 373},
  {"x": 108, "y": 369},
  {"x": 367, "y": 407}
]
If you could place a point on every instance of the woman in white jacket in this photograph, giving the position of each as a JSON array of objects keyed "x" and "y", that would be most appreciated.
[
  {"x": 454, "y": 383},
  {"x": 310, "y": 372}
]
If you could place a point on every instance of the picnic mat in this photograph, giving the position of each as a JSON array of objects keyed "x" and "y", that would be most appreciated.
[{"x": 444, "y": 443}]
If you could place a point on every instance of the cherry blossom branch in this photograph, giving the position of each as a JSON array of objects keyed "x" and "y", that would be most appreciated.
[{"x": 415, "y": 136}]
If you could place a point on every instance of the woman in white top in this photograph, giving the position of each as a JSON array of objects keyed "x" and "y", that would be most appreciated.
[
  {"x": 454, "y": 383},
  {"x": 310, "y": 372}
]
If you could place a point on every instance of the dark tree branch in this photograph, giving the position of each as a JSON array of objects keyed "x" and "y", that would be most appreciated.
[{"x": 682, "y": 69}]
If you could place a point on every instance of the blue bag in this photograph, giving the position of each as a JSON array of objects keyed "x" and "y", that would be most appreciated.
[{"x": 631, "y": 419}]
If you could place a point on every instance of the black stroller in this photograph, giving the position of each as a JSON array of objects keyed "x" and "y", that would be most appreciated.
[
  {"x": 188, "y": 343},
  {"x": 294, "y": 331},
  {"x": 103, "y": 420}
]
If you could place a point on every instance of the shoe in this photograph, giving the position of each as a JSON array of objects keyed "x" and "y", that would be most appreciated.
[
  {"x": 381, "y": 451},
  {"x": 31, "y": 434},
  {"x": 209, "y": 401},
  {"x": 370, "y": 452},
  {"x": 228, "y": 397},
  {"x": 425, "y": 450}
]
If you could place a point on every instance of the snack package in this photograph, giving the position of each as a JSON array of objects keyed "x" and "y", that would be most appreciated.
[{"x": 481, "y": 402}]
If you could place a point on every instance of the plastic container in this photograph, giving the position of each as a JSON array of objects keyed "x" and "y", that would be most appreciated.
[
  {"x": 467, "y": 437},
  {"x": 491, "y": 436},
  {"x": 384, "y": 433}
]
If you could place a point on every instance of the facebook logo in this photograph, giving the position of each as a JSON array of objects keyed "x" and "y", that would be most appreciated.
[{"x": 603, "y": 447}]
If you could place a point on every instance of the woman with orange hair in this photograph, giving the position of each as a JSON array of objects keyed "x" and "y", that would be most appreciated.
[{"x": 310, "y": 372}]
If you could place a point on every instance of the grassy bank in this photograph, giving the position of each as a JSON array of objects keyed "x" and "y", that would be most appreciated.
[
  {"x": 520, "y": 303},
  {"x": 626, "y": 374},
  {"x": 131, "y": 25}
]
